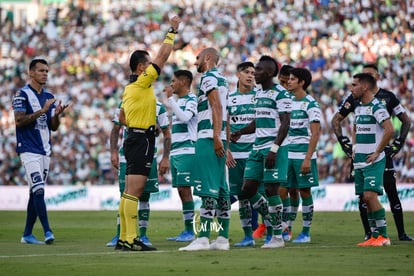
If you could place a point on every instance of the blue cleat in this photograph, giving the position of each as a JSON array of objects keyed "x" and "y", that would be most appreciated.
[
  {"x": 185, "y": 236},
  {"x": 268, "y": 238},
  {"x": 145, "y": 240},
  {"x": 247, "y": 241},
  {"x": 113, "y": 242},
  {"x": 31, "y": 239},
  {"x": 49, "y": 237},
  {"x": 302, "y": 238}
]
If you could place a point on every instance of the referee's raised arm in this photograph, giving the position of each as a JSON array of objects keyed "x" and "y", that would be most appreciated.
[{"x": 168, "y": 43}]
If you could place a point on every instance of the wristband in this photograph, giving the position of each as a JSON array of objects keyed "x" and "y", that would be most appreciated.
[
  {"x": 169, "y": 38},
  {"x": 274, "y": 148},
  {"x": 353, "y": 147}
]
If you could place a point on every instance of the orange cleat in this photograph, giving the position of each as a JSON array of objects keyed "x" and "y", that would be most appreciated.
[
  {"x": 260, "y": 231},
  {"x": 381, "y": 241},
  {"x": 367, "y": 242}
]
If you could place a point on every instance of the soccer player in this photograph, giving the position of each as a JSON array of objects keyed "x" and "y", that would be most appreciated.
[
  {"x": 241, "y": 113},
  {"x": 36, "y": 115},
  {"x": 394, "y": 107},
  {"x": 290, "y": 197},
  {"x": 209, "y": 166},
  {"x": 304, "y": 132},
  {"x": 119, "y": 162},
  {"x": 372, "y": 132},
  {"x": 184, "y": 136},
  {"x": 138, "y": 113},
  {"x": 267, "y": 161}
]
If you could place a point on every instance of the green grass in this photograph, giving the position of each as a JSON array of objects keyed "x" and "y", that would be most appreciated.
[{"x": 81, "y": 236}]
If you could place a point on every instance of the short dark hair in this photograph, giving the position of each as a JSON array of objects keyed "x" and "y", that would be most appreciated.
[
  {"x": 35, "y": 61},
  {"x": 285, "y": 70},
  {"x": 366, "y": 78},
  {"x": 186, "y": 74},
  {"x": 137, "y": 57},
  {"x": 302, "y": 74},
  {"x": 370, "y": 65},
  {"x": 244, "y": 65},
  {"x": 269, "y": 58}
]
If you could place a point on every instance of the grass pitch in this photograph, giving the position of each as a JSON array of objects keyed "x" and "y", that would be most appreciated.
[{"x": 80, "y": 249}]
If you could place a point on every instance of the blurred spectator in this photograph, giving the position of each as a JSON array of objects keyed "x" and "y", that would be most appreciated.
[{"x": 89, "y": 48}]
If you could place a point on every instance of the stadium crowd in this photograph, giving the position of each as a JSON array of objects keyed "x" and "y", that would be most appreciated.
[{"x": 88, "y": 48}]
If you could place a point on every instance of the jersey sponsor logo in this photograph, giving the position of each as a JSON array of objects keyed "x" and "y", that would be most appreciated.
[
  {"x": 364, "y": 129},
  {"x": 262, "y": 113},
  {"x": 234, "y": 100}
]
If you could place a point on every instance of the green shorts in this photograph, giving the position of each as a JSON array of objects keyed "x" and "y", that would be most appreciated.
[
  {"x": 255, "y": 166},
  {"x": 181, "y": 167},
  {"x": 370, "y": 178},
  {"x": 296, "y": 179},
  {"x": 152, "y": 182},
  {"x": 208, "y": 175},
  {"x": 236, "y": 179}
]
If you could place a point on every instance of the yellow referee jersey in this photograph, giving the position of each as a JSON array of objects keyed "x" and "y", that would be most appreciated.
[{"x": 139, "y": 101}]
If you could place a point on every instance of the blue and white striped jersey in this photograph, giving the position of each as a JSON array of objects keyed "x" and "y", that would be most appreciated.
[{"x": 35, "y": 137}]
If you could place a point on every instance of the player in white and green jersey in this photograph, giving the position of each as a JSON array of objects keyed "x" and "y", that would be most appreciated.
[
  {"x": 209, "y": 166},
  {"x": 184, "y": 136},
  {"x": 372, "y": 132},
  {"x": 266, "y": 163},
  {"x": 304, "y": 132},
  {"x": 241, "y": 113},
  {"x": 119, "y": 162}
]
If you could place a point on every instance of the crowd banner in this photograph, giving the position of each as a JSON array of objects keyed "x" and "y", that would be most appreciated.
[{"x": 332, "y": 197}]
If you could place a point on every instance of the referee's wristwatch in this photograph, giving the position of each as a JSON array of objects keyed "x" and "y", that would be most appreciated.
[{"x": 172, "y": 30}]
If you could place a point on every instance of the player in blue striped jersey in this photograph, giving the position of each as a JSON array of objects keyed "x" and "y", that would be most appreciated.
[{"x": 36, "y": 115}]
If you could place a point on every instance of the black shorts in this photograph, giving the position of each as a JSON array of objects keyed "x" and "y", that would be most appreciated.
[{"x": 139, "y": 150}]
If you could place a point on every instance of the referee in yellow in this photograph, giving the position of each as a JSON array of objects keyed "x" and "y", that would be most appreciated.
[{"x": 138, "y": 113}]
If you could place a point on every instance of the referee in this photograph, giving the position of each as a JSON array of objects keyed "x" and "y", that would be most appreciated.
[{"x": 138, "y": 114}]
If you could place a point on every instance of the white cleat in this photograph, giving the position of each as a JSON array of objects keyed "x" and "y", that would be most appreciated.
[
  {"x": 275, "y": 242},
  {"x": 197, "y": 245},
  {"x": 221, "y": 243}
]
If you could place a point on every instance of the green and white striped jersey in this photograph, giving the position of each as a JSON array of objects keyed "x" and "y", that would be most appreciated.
[
  {"x": 304, "y": 112},
  {"x": 241, "y": 112},
  {"x": 210, "y": 80},
  {"x": 368, "y": 120},
  {"x": 269, "y": 104},
  {"x": 162, "y": 121},
  {"x": 184, "y": 128}
]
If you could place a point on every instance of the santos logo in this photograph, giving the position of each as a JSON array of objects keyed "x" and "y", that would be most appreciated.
[{"x": 198, "y": 226}]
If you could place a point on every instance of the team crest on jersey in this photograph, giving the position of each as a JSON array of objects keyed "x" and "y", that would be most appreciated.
[
  {"x": 347, "y": 105},
  {"x": 368, "y": 111},
  {"x": 384, "y": 102}
]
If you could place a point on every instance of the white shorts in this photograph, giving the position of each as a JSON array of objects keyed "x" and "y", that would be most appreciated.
[{"x": 37, "y": 169}]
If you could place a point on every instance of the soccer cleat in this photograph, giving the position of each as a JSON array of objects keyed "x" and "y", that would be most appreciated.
[
  {"x": 367, "y": 236},
  {"x": 287, "y": 235},
  {"x": 366, "y": 242},
  {"x": 381, "y": 241},
  {"x": 185, "y": 236},
  {"x": 119, "y": 245},
  {"x": 268, "y": 238},
  {"x": 113, "y": 242},
  {"x": 145, "y": 240},
  {"x": 247, "y": 241},
  {"x": 275, "y": 242},
  {"x": 49, "y": 237},
  {"x": 221, "y": 243},
  {"x": 302, "y": 238},
  {"x": 260, "y": 231},
  {"x": 197, "y": 245},
  {"x": 31, "y": 239},
  {"x": 405, "y": 237},
  {"x": 137, "y": 245}
]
